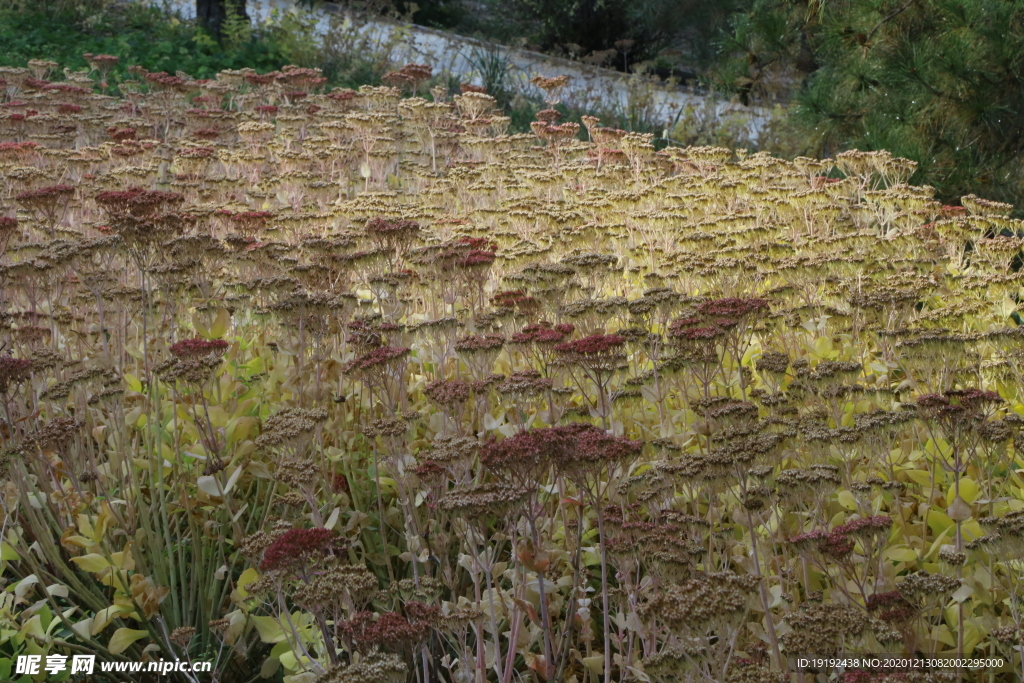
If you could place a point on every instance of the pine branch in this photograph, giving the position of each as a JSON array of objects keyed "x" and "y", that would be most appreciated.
[{"x": 892, "y": 15}]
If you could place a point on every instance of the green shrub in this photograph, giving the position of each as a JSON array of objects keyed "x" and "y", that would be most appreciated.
[
  {"x": 138, "y": 34},
  {"x": 937, "y": 81}
]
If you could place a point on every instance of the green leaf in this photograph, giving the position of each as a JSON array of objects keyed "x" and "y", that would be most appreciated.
[{"x": 8, "y": 553}]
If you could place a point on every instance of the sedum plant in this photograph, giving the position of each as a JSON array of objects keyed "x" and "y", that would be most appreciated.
[{"x": 351, "y": 386}]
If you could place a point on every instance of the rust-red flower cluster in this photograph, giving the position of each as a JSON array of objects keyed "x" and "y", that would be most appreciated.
[
  {"x": 137, "y": 201},
  {"x": 365, "y": 631},
  {"x": 377, "y": 357},
  {"x": 194, "y": 348},
  {"x": 561, "y": 446},
  {"x": 13, "y": 371},
  {"x": 297, "y": 546},
  {"x": 595, "y": 344},
  {"x": 543, "y": 333}
]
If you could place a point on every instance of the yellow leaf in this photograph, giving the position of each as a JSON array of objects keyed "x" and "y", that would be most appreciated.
[
  {"x": 100, "y": 434},
  {"x": 238, "y": 428},
  {"x": 1008, "y": 307},
  {"x": 594, "y": 664},
  {"x": 218, "y": 416},
  {"x": 123, "y": 637},
  {"x": 83, "y": 628},
  {"x": 22, "y": 586},
  {"x": 133, "y": 416},
  {"x": 105, "y": 616},
  {"x": 938, "y": 542},
  {"x": 920, "y": 477},
  {"x": 969, "y": 490},
  {"x": 938, "y": 521},
  {"x": 847, "y": 500},
  {"x": 133, "y": 383},
  {"x": 333, "y": 519},
  {"x": 269, "y": 629},
  {"x": 33, "y": 627},
  {"x": 201, "y": 329},
  {"x": 244, "y": 449},
  {"x": 962, "y": 593},
  {"x": 942, "y": 633},
  {"x": 823, "y": 346},
  {"x": 270, "y": 667},
  {"x": 972, "y": 530},
  {"x": 247, "y": 577},
  {"x": 124, "y": 559},
  {"x": 93, "y": 562},
  {"x": 220, "y": 325},
  {"x": 898, "y": 554},
  {"x": 288, "y": 661}
]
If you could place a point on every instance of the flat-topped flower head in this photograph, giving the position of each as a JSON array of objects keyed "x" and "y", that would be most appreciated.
[
  {"x": 192, "y": 348},
  {"x": 480, "y": 343},
  {"x": 297, "y": 547},
  {"x": 595, "y": 344},
  {"x": 564, "y": 446},
  {"x": 13, "y": 371},
  {"x": 381, "y": 356},
  {"x": 137, "y": 201}
]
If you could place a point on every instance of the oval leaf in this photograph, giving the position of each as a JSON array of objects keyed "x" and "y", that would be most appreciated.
[{"x": 123, "y": 637}]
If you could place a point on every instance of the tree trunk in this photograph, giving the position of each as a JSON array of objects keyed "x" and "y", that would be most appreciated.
[{"x": 213, "y": 14}]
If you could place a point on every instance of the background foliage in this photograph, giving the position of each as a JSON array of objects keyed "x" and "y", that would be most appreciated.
[
  {"x": 937, "y": 81},
  {"x": 138, "y": 33}
]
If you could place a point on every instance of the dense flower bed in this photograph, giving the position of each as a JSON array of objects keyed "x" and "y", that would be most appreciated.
[{"x": 353, "y": 386}]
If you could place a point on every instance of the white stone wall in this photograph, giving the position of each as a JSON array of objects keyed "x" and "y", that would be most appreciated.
[{"x": 590, "y": 88}]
